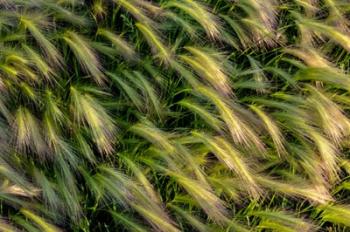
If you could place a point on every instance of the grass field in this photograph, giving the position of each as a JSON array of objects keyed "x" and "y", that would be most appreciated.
[{"x": 174, "y": 115}]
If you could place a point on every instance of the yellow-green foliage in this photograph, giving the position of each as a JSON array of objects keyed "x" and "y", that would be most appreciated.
[{"x": 174, "y": 115}]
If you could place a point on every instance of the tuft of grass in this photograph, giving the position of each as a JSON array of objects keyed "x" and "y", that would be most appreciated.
[{"x": 174, "y": 115}]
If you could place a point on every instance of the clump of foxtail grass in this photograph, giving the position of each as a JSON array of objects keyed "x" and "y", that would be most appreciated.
[{"x": 231, "y": 115}]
